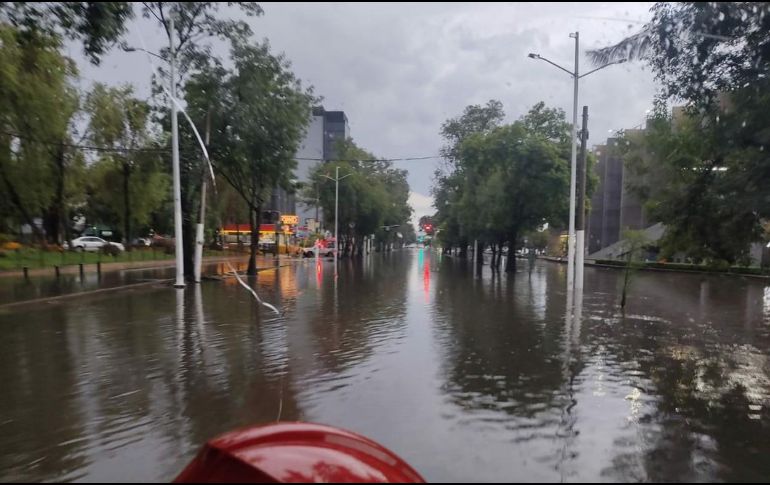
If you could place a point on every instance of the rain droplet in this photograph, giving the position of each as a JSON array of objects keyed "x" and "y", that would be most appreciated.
[{"x": 743, "y": 125}]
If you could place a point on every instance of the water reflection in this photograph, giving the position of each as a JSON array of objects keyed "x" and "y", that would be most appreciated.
[{"x": 468, "y": 377}]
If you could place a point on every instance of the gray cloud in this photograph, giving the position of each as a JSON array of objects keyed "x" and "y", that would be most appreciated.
[{"x": 400, "y": 70}]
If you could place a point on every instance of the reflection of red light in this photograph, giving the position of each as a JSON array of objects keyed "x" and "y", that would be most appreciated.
[
  {"x": 318, "y": 273},
  {"x": 426, "y": 278}
]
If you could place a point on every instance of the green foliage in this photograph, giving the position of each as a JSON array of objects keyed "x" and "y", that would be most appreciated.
[
  {"x": 37, "y": 104},
  {"x": 711, "y": 162},
  {"x": 257, "y": 111},
  {"x": 506, "y": 180},
  {"x": 96, "y": 24},
  {"x": 705, "y": 177},
  {"x": 373, "y": 195},
  {"x": 125, "y": 186}
]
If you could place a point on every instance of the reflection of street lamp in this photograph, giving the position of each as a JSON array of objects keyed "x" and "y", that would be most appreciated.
[
  {"x": 174, "y": 152},
  {"x": 571, "y": 266}
]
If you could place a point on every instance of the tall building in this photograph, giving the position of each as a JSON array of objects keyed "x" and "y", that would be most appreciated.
[
  {"x": 326, "y": 130},
  {"x": 615, "y": 207}
]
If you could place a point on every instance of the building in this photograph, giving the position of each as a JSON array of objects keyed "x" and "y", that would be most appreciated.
[
  {"x": 326, "y": 130},
  {"x": 615, "y": 207}
]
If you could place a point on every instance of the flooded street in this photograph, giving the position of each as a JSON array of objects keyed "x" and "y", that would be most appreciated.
[{"x": 477, "y": 378}]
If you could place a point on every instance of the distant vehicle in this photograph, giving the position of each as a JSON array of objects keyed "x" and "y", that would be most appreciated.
[
  {"x": 92, "y": 243},
  {"x": 141, "y": 241},
  {"x": 326, "y": 249}
]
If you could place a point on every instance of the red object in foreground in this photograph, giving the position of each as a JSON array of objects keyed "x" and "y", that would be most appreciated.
[{"x": 294, "y": 453}]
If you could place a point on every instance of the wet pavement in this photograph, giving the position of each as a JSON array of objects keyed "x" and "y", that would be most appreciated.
[{"x": 467, "y": 377}]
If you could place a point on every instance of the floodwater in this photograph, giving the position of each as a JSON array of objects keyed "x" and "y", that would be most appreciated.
[{"x": 467, "y": 377}]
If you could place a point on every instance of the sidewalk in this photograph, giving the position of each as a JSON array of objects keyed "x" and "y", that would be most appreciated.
[
  {"x": 43, "y": 285},
  {"x": 106, "y": 266}
]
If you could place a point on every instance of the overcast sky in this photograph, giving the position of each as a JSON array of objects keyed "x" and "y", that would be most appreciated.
[{"x": 399, "y": 71}]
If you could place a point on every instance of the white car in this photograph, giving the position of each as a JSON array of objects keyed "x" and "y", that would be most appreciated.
[{"x": 91, "y": 243}]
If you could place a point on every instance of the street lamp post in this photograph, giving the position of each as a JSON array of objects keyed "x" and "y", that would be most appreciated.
[
  {"x": 175, "y": 161},
  {"x": 571, "y": 240},
  {"x": 336, "y": 180},
  {"x": 177, "y": 185}
]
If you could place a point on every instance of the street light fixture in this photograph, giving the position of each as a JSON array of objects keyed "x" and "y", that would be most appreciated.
[{"x": 574, "y": 271}]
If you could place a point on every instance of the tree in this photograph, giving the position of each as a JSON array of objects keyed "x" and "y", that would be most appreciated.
[
  {"x": 698, "y": 49},
  {"x": 120, "y": 122},
  {"x": 259, "y": 112},
  {"x": 712, "y": 56},
  {"x": 194, "y": 22},
  {"x": 475, "y": 119},
  {"x": 37, "y": 105},
  {"x": 522, "y": 182},
  {"x": 703, "y": 182},
  {"x": 505, "y": 180},
  {"x": 96, "y": 24},
  {"x": 372, "y": 200}
]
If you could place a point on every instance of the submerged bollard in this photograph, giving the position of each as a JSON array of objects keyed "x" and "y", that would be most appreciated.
[
  {"x": 56, "y": 268},
  {"x": 81, "y": 270},
  {"x": 26, "y": 273}
]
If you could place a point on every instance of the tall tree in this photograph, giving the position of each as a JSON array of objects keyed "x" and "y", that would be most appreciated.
[
  {"x": 259, "y": 112},
  {"x": 37, "y": 103},
  {"x": 120, "y": 122},
  {"x": 713, "y": 56},
  {"x": 195, "y": 24},
  {"x": 454, "y": 131},
  {"x": 373, "y": 197},
  {"x": 505, "y": 181},
  {"x": 97, "y": 25}
]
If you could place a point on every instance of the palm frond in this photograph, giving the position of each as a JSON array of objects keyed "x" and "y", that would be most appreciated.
[{"x": 632, "y": 48}]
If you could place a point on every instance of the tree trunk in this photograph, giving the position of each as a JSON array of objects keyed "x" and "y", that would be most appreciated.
[
  {"x": 255, "y": 222},
  {"x": 480, "y": 254},
  {"x": 463, "y": 249},
  {"x": 59, "y": 204},
  {"x": 126, "y": 206},
  {"x": 494, "y": 256},
  {"x": 510, "y": 263},
  {"x": 13, "y": 195}
]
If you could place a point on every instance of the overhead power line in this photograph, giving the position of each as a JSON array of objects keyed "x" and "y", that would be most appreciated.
[
  {"x": 84, "y": 147},
  {"x": 404, "y": 159},
  {"x": 168, "y": 150}
]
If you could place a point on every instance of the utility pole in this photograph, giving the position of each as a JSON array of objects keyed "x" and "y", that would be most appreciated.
[
  {"x": 573, "y": 165},
  {"x": 175, "y": 160},
  {"x": 580, "y": 224},
  {"x": 202, "y": 216}
]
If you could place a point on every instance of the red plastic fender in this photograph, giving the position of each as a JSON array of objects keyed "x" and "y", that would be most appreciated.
[{"x": 295, "y": 453}]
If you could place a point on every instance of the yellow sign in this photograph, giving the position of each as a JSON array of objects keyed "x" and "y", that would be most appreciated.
[{"x": 289, "y": 219}]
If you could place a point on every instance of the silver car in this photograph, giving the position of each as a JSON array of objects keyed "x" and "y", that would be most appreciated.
[{"x": 92, "y": 243}]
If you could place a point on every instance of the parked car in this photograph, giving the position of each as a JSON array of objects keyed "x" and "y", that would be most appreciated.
[{"x": 92, "y": 243}]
